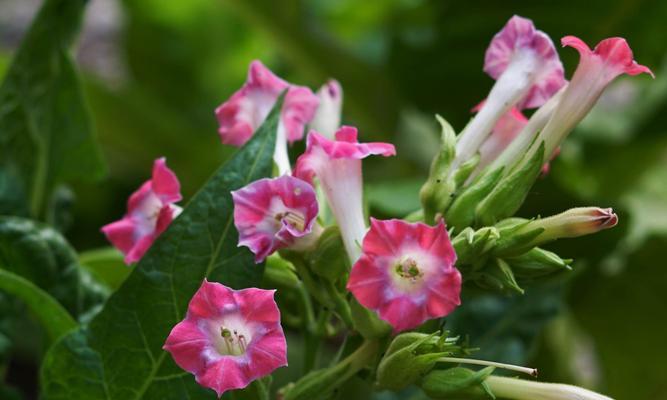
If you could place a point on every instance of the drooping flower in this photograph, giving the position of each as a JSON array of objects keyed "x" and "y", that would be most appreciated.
[
  {"x": 337, "y": 165},
  {"x": 241, "y": 115},
  {"x": 597, "y": 68},
  {"x": 523, "y": 389},
  {"x": 328, "y": 115},
  {"x": 229, "y": 338},
  {"x": 150, "y": 210},
  {"x": 528, "y": 72},
  {"x": 406, "y": 273},
  {"x": 271, "y": 214}
]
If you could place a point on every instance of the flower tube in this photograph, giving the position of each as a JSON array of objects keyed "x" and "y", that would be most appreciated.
[
  {"x": 272, "y": 214},
  {"x": 229, "y": 338},
  {"x": 597, "y": 68},
  {"x": 528, "y": 72},
  {"x": 406, "y": 273},
  {"x": 328, "y": 115},
  {"x": 150, "y": 210},
  {"x": 241, "y": 115},
  {"x": 337, "y": 165}
]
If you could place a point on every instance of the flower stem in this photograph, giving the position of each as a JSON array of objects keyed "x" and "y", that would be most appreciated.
[{"x": 525, "y": 370}]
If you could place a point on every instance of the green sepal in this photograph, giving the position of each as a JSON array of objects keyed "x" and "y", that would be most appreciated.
[
  {"x": 514, "y": 239},
  {"x": 458, "y": 384},
  {"x": 461, "y": 214},
  {"x": 498, "y": 275},
  {"x": 463, "y": 172},
  {"x": 471, "y": 245},
  {"x": 537, "y": 263},
  {"x": 508, "y": 195},
  {"x": 436, "y": 193},
  {"x": 329, "y": 260}
]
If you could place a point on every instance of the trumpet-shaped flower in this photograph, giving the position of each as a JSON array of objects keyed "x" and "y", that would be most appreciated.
[
  {"x": 597, "y": 68},
  {"x": 241, "y": 115},
  {"x": 406, "y": 273},
  {"x": 528, "y": 72},
  {"x": 271, "y": 214},
  {"x": 328, "y": 115},
  {"x": 337, "y": 165},
  {"x": 229, "y": 338},
  {"x": 150, "y": 210}
]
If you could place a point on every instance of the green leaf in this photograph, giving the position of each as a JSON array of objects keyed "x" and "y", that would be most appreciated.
[
  {"x": 45, "y": 129},
  {"x": 48, "y": 311},
  {"x": 41, "y": 255},
  {"x": 119, "y": 355}
]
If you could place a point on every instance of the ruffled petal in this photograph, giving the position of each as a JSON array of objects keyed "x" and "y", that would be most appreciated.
[
  {"x": 225, "y": 374},
  {"x": 211, "y": 301},
  {"x": 187, "y": 343},
  {"x": 258, "y": 305}
]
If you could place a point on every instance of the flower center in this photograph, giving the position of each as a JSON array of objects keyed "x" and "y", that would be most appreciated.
[
  {"x": 295, "y": 220},
  {"x": 234, "y": 343},
  {"x": 408, "y": 269}
]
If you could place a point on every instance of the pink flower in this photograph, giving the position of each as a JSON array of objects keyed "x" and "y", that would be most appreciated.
[
  {"x": 149, "y": 211},
  {"x": 337, "y": 165},
  {"x": 406, "y": 273},
  {"x": 520, "y": 42},
  {"x": 271, "y": 214},
  {"x": 597, "y": 68},
  {"x": 229, "y": 338},
  {"x": 528, "y": 72},
  {"x": 328, "y": 115},
  {"x": 241, "y": 115}
]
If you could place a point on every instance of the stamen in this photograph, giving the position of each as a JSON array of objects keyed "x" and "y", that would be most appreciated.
[
  {"x": 292, "y": 218},
  {"x": 525, "y": 370},
  {"x": 409, "y": 269}
]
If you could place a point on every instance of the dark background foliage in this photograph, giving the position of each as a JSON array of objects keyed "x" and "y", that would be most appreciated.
[{"x": 154, "y": 71}]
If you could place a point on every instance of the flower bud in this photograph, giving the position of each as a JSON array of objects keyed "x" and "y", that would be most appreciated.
[
  {"x": 410, "y": 356},
  {"x": 436, "y": 192},
  {"x": 470, "y": 245},
  {"x": 461, "y": 213},
  {"x": 520, "y": 389},
  {"x": 458, "y": 384},
  {"x": 498, "y": 275},
  {"x": 366, "y": 322},
  {"x": 537, "y": 263},
  {"x": 572, "y": 223},
  {"x": 329, "y": 260}
]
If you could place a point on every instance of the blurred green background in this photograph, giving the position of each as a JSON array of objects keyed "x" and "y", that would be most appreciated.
[{"x": 154, "y": 71}]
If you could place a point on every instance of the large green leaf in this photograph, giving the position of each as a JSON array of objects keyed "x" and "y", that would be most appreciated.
[
  {"x": 119, "y": 355},
  {"x": 45, "y": 129},
  {"x": 53, "y": 317}
]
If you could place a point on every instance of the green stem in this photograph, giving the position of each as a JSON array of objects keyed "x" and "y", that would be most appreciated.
[{"x": 312, "y": 341}]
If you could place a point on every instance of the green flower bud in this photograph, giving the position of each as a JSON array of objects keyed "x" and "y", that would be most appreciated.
[
  {"x": 508, "y": 195},
  {"x": 471, "y": 245},
  {"x": 279, "y": 273},
  {"x": 436, "y": 192},
  {"x": 329, "y": 259},
  {"x": 457, "y": 384},
  {"x": 537, "y": 263},
  {"x": 407, "y": 359}
]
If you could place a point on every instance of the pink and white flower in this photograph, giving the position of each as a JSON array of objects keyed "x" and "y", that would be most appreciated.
[
  {"x": 528, "y": 72},
  {"x": 150, "y": 210},
  {"x": 337, "y": 166},
  {"x": 272, "y": 214},
  {"x": 229, "y": 338},
  {"x": 241, "y": 115},
  {"x": 597, "y": 68},
  {"x": 406, "y": 273},
  {"x": 328, "y": 115}
]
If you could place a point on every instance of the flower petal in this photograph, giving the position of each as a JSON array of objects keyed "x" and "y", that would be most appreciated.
[{"x": 165, "y": 183}]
